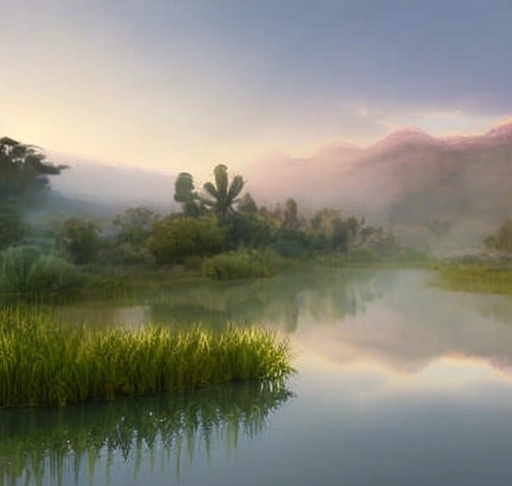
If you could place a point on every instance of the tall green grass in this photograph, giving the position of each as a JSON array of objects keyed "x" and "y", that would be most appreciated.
[
  {"x": 43, "y": 363},
  {"x": 239, "y": 264},
  {"x": 475, "y": 278}
]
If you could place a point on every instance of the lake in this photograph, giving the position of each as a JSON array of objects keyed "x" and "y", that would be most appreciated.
[{"x": 398, "y": 383}]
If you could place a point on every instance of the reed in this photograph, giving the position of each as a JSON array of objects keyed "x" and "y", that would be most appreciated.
[
  {"x": 238, "y": 264},
  {"x": 475, "y": 278},
  {"x": 44, "y": 363}
]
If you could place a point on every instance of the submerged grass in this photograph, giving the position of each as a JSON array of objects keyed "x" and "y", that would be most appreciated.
[
  {"x": 475, "y": 278},
  {"x": 44, "y": 363}
]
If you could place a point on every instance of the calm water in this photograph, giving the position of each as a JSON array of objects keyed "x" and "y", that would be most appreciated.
[{"x": 399, "y": 384}]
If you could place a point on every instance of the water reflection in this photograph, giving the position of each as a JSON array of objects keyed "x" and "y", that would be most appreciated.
[
  {"x": 413, "y": 325},
  {"x": 284, "y": 301},
  {"x": 86, "y": 444},
  {"x": 393, "y": 317}
]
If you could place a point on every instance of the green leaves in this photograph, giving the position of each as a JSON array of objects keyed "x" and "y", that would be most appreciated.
[{"x": 221, "y": 196}]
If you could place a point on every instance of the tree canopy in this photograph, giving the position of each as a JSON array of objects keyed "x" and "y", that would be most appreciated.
[
  {"x": 221, "y": 196},
  {"x": 24, "y": 170}
]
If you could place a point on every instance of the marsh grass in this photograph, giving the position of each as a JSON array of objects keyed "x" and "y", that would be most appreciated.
[
  {"x": 239, "y": 264},
  {"x": 44, "y": 363},
  {"x": 475, "y": 278}
]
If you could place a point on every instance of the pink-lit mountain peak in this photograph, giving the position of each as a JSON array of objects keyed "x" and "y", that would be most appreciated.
[
  {"x": 501, "y": 131},
  {"x": 404, "y": 136}
]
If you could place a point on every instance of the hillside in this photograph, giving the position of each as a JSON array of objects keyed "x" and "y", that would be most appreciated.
[{"x": 408, "y": 178}]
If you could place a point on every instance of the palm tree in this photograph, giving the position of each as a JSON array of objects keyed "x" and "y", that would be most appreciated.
[{"x": 222, "y": 195}]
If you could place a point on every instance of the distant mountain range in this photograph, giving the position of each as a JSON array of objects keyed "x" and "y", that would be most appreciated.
[
  {"x": 405, "y": 179},
  {"x": 408, "y": 177},
  {"x": 113, "y": 185}
]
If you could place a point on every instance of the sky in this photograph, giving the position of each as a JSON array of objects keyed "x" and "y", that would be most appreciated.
[{"x": 186, "y": 84}]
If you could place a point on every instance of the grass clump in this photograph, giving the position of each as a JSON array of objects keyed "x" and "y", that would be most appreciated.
[
  {"x": 238, "y": 264},
  {"x": 43, "y": 363},
  {"x": 475, "y": 278},
  {"x": 29, "y": 275}
]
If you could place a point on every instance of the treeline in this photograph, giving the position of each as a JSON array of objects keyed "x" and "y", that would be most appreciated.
[{"x": 218, "y": 229}]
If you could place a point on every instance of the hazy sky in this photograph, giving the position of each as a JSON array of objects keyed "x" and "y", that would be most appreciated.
[{"x": 186, "y": 84}]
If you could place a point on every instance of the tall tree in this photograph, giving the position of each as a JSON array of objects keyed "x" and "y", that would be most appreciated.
[
  {"x": 221, "y": 196},
  {"x": 24, "y": 170},
  {"x": 185, "y": 194}
]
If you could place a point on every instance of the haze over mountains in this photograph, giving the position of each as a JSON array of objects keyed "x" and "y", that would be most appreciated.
[{"x": 407, "y": 178}]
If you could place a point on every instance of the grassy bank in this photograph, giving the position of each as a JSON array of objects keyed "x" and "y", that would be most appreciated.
[
  {"x": 42, "y": 363},
  {"x": 475, "y": 278}
]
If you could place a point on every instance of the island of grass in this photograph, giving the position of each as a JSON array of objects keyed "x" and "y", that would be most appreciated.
[
  {"x": 44, "y": 363},
  {"x": 485, "y": 278}
]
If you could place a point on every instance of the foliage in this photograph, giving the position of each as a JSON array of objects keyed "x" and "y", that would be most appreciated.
[
  {"x": 502, "y": 239},
  {"x": 12, "y": 229},
  {"x": 221, "y": 196},
  {"x": 185, "y": 194},
  {"x": 133, "y": 231},
  {"x": 175, "y": 238},
  {"x": 247, "y": 205},
  {"x": 26, "y": 274},
  {"x": 238, "y": 264},
  {"x": 80, "y": 240},
  {"x": 23, "y": 170},
  {"x": 42, "y": 363}
]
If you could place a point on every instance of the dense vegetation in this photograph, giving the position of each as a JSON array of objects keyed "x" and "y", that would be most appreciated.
[
  {"x": 220, "y": 232},
  {"x": 44, "y": 363}
]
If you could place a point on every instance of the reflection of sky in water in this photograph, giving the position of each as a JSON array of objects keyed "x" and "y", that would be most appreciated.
[{"x": 399, "y": 384}]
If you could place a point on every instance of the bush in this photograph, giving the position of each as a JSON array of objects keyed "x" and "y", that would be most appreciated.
[
  {"x": 239, "y": 264},
  {"x": 175, "y": 238},
  {"x": 80, "y": 240},
  {"x": 25, "y": 273}
]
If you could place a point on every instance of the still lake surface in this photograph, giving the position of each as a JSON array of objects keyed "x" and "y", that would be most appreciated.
[{"x": 398, "y": 383}]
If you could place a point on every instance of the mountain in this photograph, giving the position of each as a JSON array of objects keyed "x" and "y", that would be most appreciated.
[
  {"x": 112, "y": 185},
  {"x": 408, "y": 177}
]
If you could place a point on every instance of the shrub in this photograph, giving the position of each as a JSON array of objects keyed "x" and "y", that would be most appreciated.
[
  {"x": 239, "y": 264},
  {"x": 25, "y": 273}
]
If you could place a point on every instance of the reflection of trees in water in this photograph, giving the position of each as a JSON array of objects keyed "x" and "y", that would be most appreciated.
[
  {"x": 47, "y": 445},
  {"x": 322, "y": 295}
]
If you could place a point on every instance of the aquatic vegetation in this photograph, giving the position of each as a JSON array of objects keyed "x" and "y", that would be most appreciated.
[
  {"x": 44, "y": 363},
  {"x": 171, "y": 428},
  {"x": 475, "y": 278},
  {"x": 237, "y": 264}
]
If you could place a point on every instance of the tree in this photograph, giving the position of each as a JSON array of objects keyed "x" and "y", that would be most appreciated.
[
  {"x": 502, "y": 239},
  {"x": 184, "y": 193},
  {"x": 247, "y": 205},
  {"x": 80, "y": 239},
  {"x": 134, "y": 225},
  {"x": 175, "y": 238},
  {"x": 291, "y": 218},
  {"x": 221, "y": 196},
  {"x": 23, "y": 170},
  {"x": 11, "y": 226}
]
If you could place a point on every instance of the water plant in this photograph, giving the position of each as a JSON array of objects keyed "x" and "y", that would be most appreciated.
[
  {"x": 45, "y": 363},
  {"x": 475, "y": 278}
]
